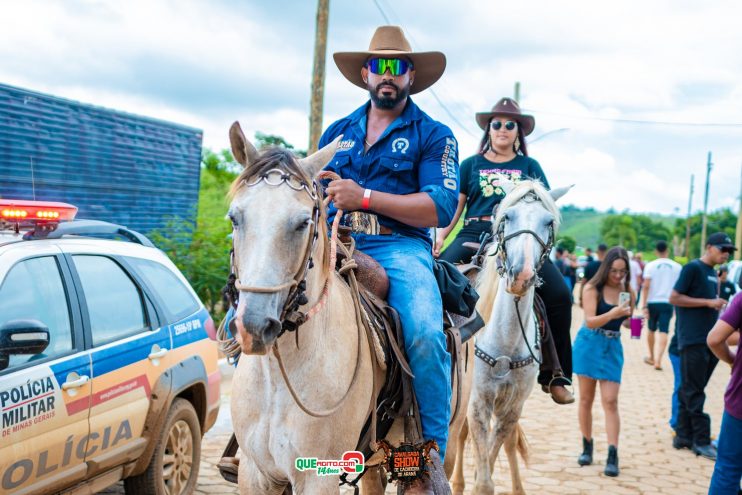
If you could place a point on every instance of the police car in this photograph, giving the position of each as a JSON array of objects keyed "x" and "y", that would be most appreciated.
[{"x": 106, "y": 368}]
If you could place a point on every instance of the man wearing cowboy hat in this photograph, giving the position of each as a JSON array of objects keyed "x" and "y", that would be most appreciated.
[{"x": 400, "y": 167}]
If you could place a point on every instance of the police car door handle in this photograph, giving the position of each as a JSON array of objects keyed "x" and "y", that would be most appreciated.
[
  {"x": 75, "y": 383},
  {"x": 157, "y": 354}
]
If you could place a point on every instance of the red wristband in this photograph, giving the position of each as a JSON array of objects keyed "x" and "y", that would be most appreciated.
[{"x": 366, "y": 201}]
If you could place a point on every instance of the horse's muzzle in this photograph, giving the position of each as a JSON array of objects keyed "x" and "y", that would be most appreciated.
[
  {"x": 522, "y": 280},
  {"x": 255, "y": 339}
]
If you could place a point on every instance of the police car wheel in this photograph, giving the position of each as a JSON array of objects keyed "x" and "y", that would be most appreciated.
[{"x": 173, "y": 469}]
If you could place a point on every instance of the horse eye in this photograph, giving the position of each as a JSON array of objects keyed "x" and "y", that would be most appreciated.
[
  {"x": 303, "y": 225},
  {"x": 233, "y": 220}
]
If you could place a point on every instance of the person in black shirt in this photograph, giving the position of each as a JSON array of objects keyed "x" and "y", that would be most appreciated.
[
  {"x": 592, "y": 268},
  {"x": 726, "y": 288},
  {"x": 589, "y": 256},
  {"x": 697, "y": 304},
  {"x": 503, "y": 153}
]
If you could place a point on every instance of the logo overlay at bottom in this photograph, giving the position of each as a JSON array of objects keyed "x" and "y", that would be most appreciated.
[
  {"x": 351, "y": 462},
  {"x": 406, "y": 463}
]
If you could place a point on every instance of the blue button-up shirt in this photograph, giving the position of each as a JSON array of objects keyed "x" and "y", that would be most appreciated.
[{"x": 414, "y": 154}]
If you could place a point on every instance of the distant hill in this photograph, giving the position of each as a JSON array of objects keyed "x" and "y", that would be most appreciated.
[{"x": 583, "y": 224}]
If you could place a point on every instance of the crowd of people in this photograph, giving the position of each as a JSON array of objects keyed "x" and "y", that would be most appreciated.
[{"x": 706, "y": 331}]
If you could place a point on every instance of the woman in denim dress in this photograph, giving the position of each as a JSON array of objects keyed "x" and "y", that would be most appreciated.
[{"x": 598, "y": 354}]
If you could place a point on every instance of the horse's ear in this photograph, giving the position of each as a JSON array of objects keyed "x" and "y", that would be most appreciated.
[
  {"x": 317, "y": 160},
  {"x": 242, "y": 149},
  {"x": 558, "y": 193}
]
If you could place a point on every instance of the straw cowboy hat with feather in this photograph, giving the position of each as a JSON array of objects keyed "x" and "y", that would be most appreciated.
[{"x": 390, "y": 42}]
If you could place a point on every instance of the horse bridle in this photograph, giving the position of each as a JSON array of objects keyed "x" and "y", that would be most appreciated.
[
  {"x": 501, "y": 251},
  {"x": 506, "y": 363},
  {"x": 291, "y": 318}
]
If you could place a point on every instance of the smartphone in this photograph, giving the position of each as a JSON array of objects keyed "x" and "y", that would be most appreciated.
[{"x": 623, "y": 298}]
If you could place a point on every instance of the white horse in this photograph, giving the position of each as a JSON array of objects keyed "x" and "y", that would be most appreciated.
[
  {"x": 305, "y": 395},
  {"x": 507, "y": 365}
]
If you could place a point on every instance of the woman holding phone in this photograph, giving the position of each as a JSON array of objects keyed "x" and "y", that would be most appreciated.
[{"x": 598, "y": 354}]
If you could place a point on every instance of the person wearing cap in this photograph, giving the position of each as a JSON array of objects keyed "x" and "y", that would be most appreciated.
[
  {"x": 697, "y": 304},
  {"x": 400, "y": 168},
  {"x": 503, "y": 153}
]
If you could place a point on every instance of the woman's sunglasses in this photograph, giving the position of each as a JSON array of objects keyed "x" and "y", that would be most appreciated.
[
  {"x": 395, "y": 66},
  {"x": 497, "y": 125}
]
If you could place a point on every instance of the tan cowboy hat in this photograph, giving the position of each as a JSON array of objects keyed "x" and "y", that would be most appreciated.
[
  {"x": 509, "y": 108},
  {"x": 390, "y": 42}
]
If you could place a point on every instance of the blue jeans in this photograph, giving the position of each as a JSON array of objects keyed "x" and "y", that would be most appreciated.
[
  {"x": 675, "y": 360},
  {"x": 413, "y": 292},
  {"x": 728, "y": 468}
]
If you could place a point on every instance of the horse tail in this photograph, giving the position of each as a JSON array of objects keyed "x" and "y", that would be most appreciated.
[
  {"x": 486, "y": 285},
  {"x": 521, "y": 443}
]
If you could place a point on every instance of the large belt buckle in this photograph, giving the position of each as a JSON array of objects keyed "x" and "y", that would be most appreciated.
[{"x": 362, "y": 223}]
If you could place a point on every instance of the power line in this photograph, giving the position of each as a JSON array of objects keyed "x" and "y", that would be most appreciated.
[
  {"x": 451, "y": 115},
  {"x": 637, "y": 121},
  {"x": 383, "y": 14}
]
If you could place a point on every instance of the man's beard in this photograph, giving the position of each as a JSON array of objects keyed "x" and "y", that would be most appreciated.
[{"x": 388, "y": 102}]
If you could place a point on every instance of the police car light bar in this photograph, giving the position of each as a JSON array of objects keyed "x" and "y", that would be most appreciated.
[{"x": 33, "y": 212}]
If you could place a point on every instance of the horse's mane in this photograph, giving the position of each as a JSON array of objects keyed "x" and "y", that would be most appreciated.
[
  {"x": 488, "y": 279},
  {"x": 282, "y": 159}
]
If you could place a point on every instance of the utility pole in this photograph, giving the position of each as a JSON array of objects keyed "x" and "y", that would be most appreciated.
[
  {"x": 318, "y": 75},
  {"x": 705, "y": 203},
  {"x": 687, "y": 220},
  {"x": 738, "y": 237},
  {"x": 517, "y": 92}
]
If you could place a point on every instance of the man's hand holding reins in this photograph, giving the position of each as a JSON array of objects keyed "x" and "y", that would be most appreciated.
[{"x": 346, "y": 194}]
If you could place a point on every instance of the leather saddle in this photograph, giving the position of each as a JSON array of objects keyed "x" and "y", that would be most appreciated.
[{"x": 396, "y": 397}]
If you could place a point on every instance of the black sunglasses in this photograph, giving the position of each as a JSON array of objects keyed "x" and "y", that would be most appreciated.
[{"x": 497, "y": 125}]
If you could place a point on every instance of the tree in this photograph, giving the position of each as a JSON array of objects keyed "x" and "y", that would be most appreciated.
[
  {"x": 201, "y": 249},
  {"x": 566, "y": 242},
  {"x": 719, "y": 221},
  {"x": 263, "y": 140},
  {"x": 618, "y": 230}
]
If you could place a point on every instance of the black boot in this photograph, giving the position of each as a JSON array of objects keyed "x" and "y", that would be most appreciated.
[
  {"x": 586, "y": 458},
  {"x": 611, "y": 464}
]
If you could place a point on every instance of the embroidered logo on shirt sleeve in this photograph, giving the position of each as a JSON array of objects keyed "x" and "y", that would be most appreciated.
[{"x": 448, "y": 164}]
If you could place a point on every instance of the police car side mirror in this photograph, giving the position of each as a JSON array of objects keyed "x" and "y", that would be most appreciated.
[{"x": 23, "y": 337}]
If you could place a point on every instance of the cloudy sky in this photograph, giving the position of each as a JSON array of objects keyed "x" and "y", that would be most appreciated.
[{"x": 632, "y": 94}]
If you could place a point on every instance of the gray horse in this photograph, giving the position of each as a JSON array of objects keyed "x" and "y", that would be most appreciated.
[{"x": 504, "y": 375}]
